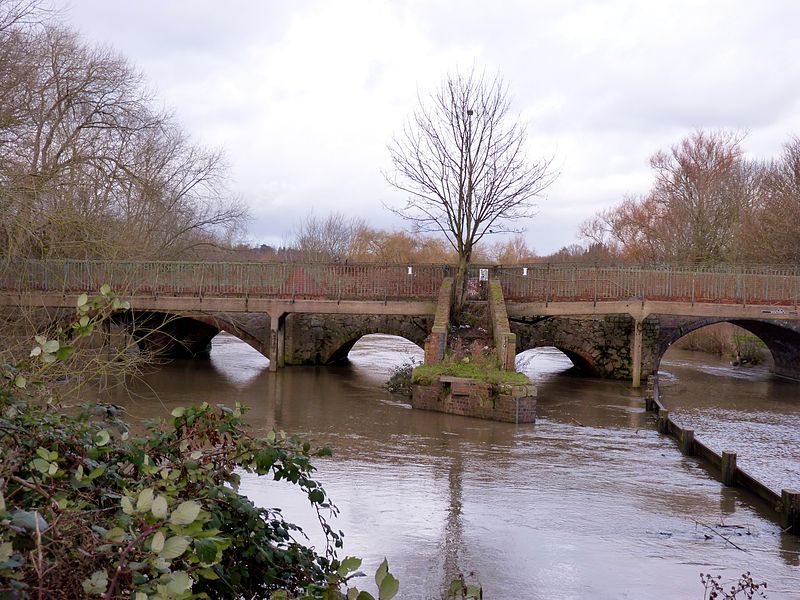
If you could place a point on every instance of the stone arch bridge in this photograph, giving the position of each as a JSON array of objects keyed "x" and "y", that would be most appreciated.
[{"x": 610, "y": 321}]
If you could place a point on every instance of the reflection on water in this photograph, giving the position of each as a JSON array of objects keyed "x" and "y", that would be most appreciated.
[{"x": 589, "y": 502}]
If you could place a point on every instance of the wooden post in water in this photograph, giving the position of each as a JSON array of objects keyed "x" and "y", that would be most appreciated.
[
  {"x": 728, "y": 467},
  {"x": 663, "y": 421},
  {"x": 790, "y": 510},
  {"x": 687, "y": 442}
]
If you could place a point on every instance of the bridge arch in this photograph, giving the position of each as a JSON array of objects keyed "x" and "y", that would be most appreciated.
[
  {"x": 328, "y": 338},
  {"x": 185, "y": 335},
  {"x": 782, "y": 339}
]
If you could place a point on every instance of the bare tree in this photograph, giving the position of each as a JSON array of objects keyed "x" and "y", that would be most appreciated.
[
  {"x": 331, "y": 238},
  {"x": 88, "y": 166},
  {"x": 462, "y": 161},
  {"x": 702, "y": 191}
]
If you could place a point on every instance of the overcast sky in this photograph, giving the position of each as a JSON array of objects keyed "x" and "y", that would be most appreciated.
[{"x": 303, "y": 95}]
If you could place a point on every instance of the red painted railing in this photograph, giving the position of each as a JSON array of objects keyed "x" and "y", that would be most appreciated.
[
  {"x": 778, "y": 286},
  {"x": 281, "y": 280}
]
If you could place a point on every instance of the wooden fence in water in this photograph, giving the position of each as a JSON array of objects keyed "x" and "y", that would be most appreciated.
[{"x": 785, "y": 506}]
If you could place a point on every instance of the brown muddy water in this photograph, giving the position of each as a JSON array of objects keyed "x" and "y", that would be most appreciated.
[{"x": 588, "y": 502}]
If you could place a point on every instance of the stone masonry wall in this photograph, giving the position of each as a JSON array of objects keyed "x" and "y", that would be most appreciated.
[{"x": 481, "y": 401}]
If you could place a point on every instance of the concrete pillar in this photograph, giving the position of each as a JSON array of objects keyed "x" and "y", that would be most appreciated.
[
  {"x": 277, "y": 340},
  {"x": 728, "y": 467},
  {"x": 636, "y": 355},
  {"x": 282, "y": 341}
]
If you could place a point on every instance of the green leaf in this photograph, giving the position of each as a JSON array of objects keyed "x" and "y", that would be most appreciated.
[
  {"x": 36, "y": 351},
  {"x": 174, "y": 547},
  {"x": 159, "y": 507},
  {"x": 102, "y": 437},
  {"x": 365, "y": 596},
  {"x": 185, "y": 513},
  {"x": 157, "y": 543},
  {"x": 43, "y": 453},
  {"x": 2, "y": 502},
  {"x": 20, "y": 381},
  {"x": 383, "y": 569},
  {"x": 349, "y": 564},
  {"x": 6, "y": 550},
  {"x": 84, "y": 321},
  {"x": 96, "y": 472},
  {"x": 105, "y": 289},
  {"x": 65, "y": 352},
  {"x": 115, "y": 534},
  {"x": 206, "y": 551},
  {"x": 145, "y": 500},
  {"x": 178, "y": 412},
  {"x": 127, "y": 505},
  {"x": 474, "y": 591},
  {"x": 96, "y": 584},
  {"x": 51, "y": 346},
  {"x": 388, "y": 588},
  {"x": 82, "y": 300},
  {"x": 43, "y": 466},
  {"x": 208, "y": 574}
]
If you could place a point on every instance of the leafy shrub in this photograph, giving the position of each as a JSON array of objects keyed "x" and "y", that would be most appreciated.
[{"x": 88, "y": 510}]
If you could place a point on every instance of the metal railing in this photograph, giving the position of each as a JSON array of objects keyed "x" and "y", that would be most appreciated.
[
  {"x": 280, "y": 280},
  {"x": 778, "y": 286}
]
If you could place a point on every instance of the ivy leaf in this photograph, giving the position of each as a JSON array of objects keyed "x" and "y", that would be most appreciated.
[
  {"x": 185, "y": 513},
  {"x": 174, "y": 547}
]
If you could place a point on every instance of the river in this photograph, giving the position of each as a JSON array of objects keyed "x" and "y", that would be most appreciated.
[{"x": 588, "y": 502}]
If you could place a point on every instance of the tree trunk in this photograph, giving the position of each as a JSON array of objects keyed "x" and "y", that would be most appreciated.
[{"x": 460, "y": 286}]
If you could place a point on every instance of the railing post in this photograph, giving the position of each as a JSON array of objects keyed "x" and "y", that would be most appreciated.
[{"x": 547, "y": 287}]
